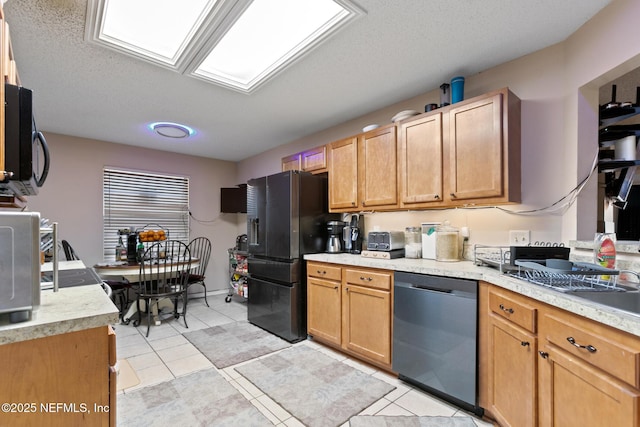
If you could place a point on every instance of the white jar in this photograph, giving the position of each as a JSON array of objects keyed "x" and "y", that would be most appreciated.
[{"x": 413, "y": 242}]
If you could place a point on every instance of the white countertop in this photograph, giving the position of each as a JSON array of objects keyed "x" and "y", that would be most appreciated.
[
  {"x": 68, "y": 310},
  {"x": 468, "y": 270}
]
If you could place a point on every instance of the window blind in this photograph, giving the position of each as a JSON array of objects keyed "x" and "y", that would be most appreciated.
[{"x": 138, "y": 200}]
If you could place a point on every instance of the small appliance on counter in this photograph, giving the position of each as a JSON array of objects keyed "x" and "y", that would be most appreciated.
[
  {"x": 391, "y": 243},
  {"x": 20, "y": 264},
  {"x": 335, "y": 243},
  {"x": 385, "y": 240},
  {"x": 352, "y": 234}
]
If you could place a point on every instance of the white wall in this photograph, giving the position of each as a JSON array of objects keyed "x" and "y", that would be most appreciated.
[
  {"x": 72, "y": 195},
  {"x": 558, "y": 87}
]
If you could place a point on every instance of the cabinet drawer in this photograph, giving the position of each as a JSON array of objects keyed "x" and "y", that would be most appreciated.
[
  {"x": 608, "y": 350},
  {"x": 372, "y": 279},
  {"x": 514, "y": 309},
  {"x": 324, "y": 271}
]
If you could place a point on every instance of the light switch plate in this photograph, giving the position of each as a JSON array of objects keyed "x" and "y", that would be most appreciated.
[{"x": 519, "y": 237}]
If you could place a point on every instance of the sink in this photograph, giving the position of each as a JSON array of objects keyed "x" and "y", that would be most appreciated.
[{"x": 627, "y": 301}]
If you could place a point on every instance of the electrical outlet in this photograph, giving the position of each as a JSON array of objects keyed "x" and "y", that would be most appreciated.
[{"x": 519, "y": 237}]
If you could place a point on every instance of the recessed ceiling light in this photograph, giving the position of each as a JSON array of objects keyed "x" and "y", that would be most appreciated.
[
  {"x": 171, "y": 130},
  {"x": 239, "y": 44}
]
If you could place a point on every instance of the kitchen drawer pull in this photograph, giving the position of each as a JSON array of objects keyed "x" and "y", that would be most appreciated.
[
  {"x": 506, "y": 310},
  {"x": 321, "y": 272},
  {"x": 524, "y": 343},
  {"x": 588, "y": 347},
  {"x": 543, "y": 354},
  {"x": 368, "y": 279}
]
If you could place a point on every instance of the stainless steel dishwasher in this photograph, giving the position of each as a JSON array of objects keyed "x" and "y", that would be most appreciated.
[{"x": 435, "y": 336}]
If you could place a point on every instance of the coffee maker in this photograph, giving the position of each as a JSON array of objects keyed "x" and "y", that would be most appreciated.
[
  {"x": 335, "y": 240},
  {"x": 352, "y": 234}
]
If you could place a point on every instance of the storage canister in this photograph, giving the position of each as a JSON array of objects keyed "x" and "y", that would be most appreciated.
[
  {"x": 413, "y": 242},
  {"x": 447, "y": 243}
]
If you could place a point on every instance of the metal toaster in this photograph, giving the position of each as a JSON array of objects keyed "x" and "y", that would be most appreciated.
[{"x": 385, "y": 240}]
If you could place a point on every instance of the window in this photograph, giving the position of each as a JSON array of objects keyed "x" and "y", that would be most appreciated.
[{"x": 137, "y": 199}]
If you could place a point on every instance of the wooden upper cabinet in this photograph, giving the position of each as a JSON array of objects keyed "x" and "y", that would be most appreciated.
[
  {"x": 420, "y": 162},
  {"x": 475, "y": 149},
  {"x": 313, "y": 160},
  {"x": 484, "y": 150},
  {"x": 292, "y": 163},
  {"x": 343, "y": 175},
  {"x": 377, "y": 168}
]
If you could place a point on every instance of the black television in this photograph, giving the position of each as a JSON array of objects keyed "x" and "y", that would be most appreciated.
[{"x": 234, "y": 199}]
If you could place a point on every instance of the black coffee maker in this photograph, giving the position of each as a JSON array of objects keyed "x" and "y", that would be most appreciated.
[
  {"x": 352, "y": 234},
  {"x": 132, "y": 247}
]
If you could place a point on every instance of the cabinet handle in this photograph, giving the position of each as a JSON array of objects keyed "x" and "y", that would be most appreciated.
[
  {"x": 353, "y": 203},
  {"x": 452, "y": 195},
  {"x": 506, "y": 310},
  {"x": 436, "y": 196},
  {"x": 524, "y": 343},
  {"x": 321, "y": 272},
  {"x": 588, "y": 347},
  {"x": 368, "y": 279},
  {"x": 336, "y": 287},
  {"x": 544, "y": 354}
]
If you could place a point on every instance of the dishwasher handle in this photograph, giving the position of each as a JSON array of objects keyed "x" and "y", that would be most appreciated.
[{"x": 430, "y": 288}]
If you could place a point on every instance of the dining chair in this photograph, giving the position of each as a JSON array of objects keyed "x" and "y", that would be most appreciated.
[
  {"x": 164, "y": 270},
  {"x": 69, "y": 253},
  {"x": 200, "y": 248}
]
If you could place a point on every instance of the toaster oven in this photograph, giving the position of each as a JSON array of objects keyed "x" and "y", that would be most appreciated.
[{"x": 19, "y": 265}]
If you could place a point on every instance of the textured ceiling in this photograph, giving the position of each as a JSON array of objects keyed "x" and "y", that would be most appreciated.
[{"x": 398, "y": 49}]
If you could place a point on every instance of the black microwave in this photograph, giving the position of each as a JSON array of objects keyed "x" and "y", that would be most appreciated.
[{"x": 26, "y": 155}]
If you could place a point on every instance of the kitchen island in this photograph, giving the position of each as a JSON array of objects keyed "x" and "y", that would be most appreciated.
[{"x": 59, "y": 367}]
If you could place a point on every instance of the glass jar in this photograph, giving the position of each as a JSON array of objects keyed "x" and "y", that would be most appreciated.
[
  {"x": 447, "y": 243},
  {"x": 413, "y": 242}
]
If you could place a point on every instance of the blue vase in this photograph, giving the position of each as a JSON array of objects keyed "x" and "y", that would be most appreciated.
[{"x": 457, "y": 89}]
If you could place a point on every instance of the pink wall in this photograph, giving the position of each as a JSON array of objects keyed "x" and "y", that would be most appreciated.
[{"x": 72, "y": 194}]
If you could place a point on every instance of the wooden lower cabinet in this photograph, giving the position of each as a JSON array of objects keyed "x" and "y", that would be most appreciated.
[
  {"x": 366, "y": 322},
  {"x": 351, "y": 309},
  {"x": 543, "y": 366},
  {"x": 324, "y": 310},
  {"x": 576, "y": 394},
  {"x": 61, "y": 380},
  {"x": 513, "y": 391}
]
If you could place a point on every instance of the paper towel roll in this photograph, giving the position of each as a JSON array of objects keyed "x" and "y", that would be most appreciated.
[{"x": 626, "y": 148}]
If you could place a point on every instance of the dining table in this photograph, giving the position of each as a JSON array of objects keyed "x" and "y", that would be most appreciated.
[{"x": 120, "y": 270}]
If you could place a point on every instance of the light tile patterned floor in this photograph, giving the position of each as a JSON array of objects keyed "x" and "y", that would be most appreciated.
[{"x": 166, "y": 354}]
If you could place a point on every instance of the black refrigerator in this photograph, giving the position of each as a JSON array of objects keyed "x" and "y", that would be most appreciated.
[{"x": 286, "y": 218}]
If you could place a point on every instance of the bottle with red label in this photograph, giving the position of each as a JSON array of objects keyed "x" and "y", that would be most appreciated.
[{"x": 604, "y": 250}]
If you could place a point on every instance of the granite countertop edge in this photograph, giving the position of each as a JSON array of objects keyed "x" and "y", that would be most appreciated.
[
  {"x": 68, "y": 310},
  {"x": 615, "y": 318}
]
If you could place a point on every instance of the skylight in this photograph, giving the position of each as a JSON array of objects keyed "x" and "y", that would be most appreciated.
[{"x": 238, "y": 44}]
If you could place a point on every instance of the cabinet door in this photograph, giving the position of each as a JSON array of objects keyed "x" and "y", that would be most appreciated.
[
  {"x": 324, "y": 309},
  {"x": 343, "y": 175},
  {"x": 366, "y": 315},
  {"x": 575, "y": 394},
  {"x": 512, "y": 374},
  {"x": 377, "y": 168},
  {"x": 315, "y": 160},
  {"x": 71, "y": 369},
  {"x": 292, "y": 163},
  {"x": 475, "y": 150},
  {"x": 420, "y": 162}
]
